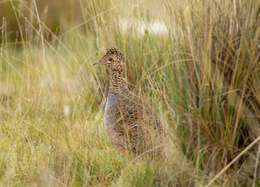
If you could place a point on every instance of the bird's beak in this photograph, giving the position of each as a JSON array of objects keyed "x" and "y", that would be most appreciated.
[{"x": 98, "y": 62}]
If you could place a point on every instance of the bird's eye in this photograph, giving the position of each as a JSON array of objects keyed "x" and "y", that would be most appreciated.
[{"x": 110, "y": 59}]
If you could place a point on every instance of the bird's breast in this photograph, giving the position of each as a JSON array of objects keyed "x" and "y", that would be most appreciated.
[{"x": 111, "y": 103}]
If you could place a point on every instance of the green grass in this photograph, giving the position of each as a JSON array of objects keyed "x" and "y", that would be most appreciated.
[{"x": 202, "y": 78}]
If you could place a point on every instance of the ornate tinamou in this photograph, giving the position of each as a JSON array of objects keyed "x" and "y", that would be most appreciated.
[{"x": 130, "y": 123}]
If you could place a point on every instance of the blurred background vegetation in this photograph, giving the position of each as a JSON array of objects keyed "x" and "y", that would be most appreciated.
[
  {"x": 196, "y": 62},
  {"x": 20, "y": 19}
]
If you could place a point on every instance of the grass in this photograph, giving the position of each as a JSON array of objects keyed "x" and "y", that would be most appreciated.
[{"x": 202, "y": 78}]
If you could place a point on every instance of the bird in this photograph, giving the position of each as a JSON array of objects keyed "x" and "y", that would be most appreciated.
[{"x": 129, "y": 122}]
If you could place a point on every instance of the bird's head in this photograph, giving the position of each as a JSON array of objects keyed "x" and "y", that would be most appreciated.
[{"x": 113, "y": 59}]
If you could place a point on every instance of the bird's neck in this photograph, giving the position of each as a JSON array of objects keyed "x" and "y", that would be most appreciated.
[{"x": 117, "y": 83}]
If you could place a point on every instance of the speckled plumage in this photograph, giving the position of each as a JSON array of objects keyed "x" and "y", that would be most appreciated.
[{"x": 129, "y": 122}]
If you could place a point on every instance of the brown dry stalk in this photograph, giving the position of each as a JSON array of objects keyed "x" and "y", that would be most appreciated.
[{"x": 233, "y": 161}]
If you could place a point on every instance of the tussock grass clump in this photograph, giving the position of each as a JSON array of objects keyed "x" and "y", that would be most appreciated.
[
  {"x": 202, "y": 76},
  {"x": 217, "y": 87}
]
